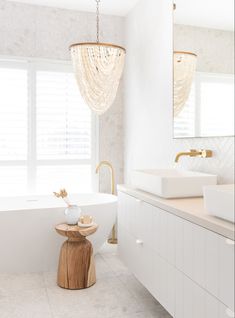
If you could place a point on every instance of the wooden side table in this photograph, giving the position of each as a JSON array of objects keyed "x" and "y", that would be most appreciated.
[{"x": 76, "y": 264}]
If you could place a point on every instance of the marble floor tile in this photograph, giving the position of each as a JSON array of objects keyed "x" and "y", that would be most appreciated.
[
  {"x": 29, "y": 304},
  {"x": 50, "y": 279},
  {"x": 144, "y": 314},
  {"x": 117, "y": 294},
  {"x": 106, "y": 297},
  {"x": 108, "y": 248},
  {"x": 14, "y": 283},
  {"x": 115, "y": 264},
  {"x": 159, "y": 312},
  {"x": 5, "y": 307},
  {"x": 141, "y": 294},
  {"x": 103, "y": 270}
]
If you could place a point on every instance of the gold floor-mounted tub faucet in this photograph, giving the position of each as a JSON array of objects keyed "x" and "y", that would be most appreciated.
[
  {"x": 109, "y": 165},
  {"x": 112, "y": 240},
  {"x": 202, "y": 153}
]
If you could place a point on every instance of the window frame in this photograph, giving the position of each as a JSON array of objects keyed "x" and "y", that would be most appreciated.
[
  {"x": 206, "y": 77},
  {"x": 199, "y": 78},
  {"x": 32, "y": 65}
]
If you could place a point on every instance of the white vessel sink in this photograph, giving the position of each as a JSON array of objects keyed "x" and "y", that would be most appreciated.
[
  {"x": 219, "y": 201},
  {"x": 172, "y": 183}
]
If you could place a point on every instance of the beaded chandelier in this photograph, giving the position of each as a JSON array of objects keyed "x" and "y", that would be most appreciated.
[
  {"x": 184, "y": 71},
  {"x": 98, "y": 69}
]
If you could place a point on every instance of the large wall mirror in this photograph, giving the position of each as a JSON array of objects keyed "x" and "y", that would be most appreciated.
[{"x": 203, "y": 68}]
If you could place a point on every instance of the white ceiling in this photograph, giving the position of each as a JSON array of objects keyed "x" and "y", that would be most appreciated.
[
  {"x": 216, "y": 14},
  {"x": 114, "y": 7}
]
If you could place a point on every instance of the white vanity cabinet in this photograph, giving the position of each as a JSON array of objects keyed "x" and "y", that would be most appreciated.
[{"x": 188, "y": 269}]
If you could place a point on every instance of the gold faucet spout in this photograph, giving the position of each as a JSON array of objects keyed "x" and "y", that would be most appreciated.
[
  {"x": 181, "y": 154},
  {"x": 195, "y": 153},
  {"x": 188, "y": 153},
  {"x": 109, "y": 165}
]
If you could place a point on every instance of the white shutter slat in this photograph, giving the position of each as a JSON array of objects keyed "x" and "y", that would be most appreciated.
[
  {"x": 63, "y": 120},
  {"x": 13, "y": 114}
]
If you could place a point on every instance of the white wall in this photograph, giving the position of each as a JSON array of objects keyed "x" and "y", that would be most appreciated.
[
  {"x": 148, "y": 90},
  {"x": 43, "y": 32},
  {"x": 148, "y": 99}
]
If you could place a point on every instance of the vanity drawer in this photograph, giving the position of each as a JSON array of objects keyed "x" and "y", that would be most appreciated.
[
  {"x": 226, "y": 271},
  {"x": 127, "y": 206},
  {"x": 143, "y": 220},
  {"x": 136, "y": 217},
  {"x": 219, "y": 265},
  {"x": 164, "y": 235},
  {"x": 126, "y": 248},
  {"x": 207, "y": 258},
  {"x": 154, "y": 226},
  {"x": 192, "y": 301},
  {"x": 137, "y": 256},
  {"x": 164, "y": 283}
]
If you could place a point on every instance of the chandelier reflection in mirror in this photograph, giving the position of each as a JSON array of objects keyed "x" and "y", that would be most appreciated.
[
  {"x": 98, "y": 69},
  {"x": 184, "y": 71}
]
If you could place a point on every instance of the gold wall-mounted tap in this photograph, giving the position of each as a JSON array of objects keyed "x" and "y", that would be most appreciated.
[
  {"x": 202, "y": 153},
  {"x": 113, "y": 239}
]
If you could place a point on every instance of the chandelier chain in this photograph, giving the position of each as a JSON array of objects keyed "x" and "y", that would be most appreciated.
[{"x": 97, "y": 21}]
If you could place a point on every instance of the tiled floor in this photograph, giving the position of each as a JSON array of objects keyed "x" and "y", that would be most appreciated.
[{"x": 117, "y": 294}]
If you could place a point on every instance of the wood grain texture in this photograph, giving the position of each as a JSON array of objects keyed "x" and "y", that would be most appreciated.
[
  {"x": 74, "y": 231},
  {"x": 76, "y": 264}
]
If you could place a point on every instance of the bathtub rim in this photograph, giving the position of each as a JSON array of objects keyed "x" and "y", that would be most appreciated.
[{"x": 59, "y": 203}]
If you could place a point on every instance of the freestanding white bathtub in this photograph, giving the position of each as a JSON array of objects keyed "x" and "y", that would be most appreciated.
[{"x": 28, "y": 241}]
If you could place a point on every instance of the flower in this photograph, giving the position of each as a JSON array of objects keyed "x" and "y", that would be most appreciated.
[{"x": 64, "y": 195}]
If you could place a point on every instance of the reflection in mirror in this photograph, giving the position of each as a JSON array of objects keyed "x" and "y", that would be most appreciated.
[
  {"x": 203, "y": 68},
  {"x": 184, "y": 71}
]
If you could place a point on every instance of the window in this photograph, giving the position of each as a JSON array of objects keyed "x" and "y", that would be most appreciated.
[
  {"x": 209, "y": 110},
  {"x": 217, "y": 102},
  {"x": 47, "y": 133}
]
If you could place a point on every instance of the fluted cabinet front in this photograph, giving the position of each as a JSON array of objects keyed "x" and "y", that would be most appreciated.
[{"x": 188, "y": 269}]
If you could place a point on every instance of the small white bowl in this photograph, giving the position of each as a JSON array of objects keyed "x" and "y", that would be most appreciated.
[{"x": 85, "y": 225}]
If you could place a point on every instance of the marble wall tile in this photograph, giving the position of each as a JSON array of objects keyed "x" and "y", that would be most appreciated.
[
  {"x": 222, "y": 162},
  {"x": 17, "y": 29},
  {"x": 215, "y": 48}
]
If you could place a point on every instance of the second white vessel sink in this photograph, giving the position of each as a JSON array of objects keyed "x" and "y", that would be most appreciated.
[
  {"x": 219, "y": 201},
  {"x": 172, "y": 183}
]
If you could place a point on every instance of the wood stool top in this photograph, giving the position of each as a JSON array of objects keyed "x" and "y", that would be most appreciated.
[{"x": 74, "y": 231}]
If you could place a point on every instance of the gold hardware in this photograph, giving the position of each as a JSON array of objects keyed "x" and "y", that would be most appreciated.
[
  {"x": 98, "y": 44},
  {"x": 202, "y": 153},
  {"x": 112, "y": 240}
]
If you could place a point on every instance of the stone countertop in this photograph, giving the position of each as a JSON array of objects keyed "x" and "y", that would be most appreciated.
[{"x": 190, "y": 209}]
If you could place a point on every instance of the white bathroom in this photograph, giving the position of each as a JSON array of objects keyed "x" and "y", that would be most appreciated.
[{"x": 117, "y": 159}]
